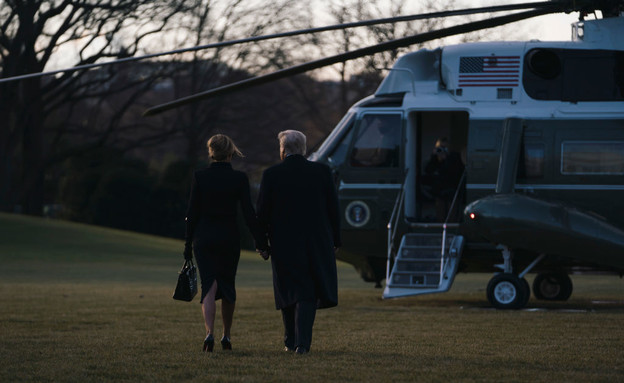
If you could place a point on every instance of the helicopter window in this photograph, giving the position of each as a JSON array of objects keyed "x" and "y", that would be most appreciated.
[
  {"x": 596, "y": 157},
  {"x": 533, "y": 161},
  {"x": 378, "y": 141}
]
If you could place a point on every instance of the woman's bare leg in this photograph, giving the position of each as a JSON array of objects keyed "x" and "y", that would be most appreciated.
[
  {"x": 209, "y": 308},
  {"x": 227, "y": 312}
]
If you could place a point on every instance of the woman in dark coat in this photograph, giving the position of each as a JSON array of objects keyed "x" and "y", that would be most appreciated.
[{"x": 212, "y": 232}]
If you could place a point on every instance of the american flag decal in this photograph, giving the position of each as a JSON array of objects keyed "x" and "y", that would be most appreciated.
[{"x": 498, "y": 71}]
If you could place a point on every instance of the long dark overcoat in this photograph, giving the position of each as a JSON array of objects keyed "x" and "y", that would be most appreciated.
[{"x": 298, "y": 208}]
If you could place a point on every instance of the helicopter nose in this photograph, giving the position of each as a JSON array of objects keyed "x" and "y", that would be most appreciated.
[
  {"x": 474, "y": 212},
  {"x": 476, "y": 218}
]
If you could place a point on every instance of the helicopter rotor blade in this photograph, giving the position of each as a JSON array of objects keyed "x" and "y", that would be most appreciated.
[
  {"x": 389, "y": 45},
  {"x": 222, "y": 44}
]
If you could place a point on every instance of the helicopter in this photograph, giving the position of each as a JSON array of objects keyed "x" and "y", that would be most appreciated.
[
  {"x": 537, "y": 133},
  {"x": 543, "y": 149}
]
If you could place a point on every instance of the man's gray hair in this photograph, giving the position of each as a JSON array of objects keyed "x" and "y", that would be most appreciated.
[{"x": 292, "y": 141}]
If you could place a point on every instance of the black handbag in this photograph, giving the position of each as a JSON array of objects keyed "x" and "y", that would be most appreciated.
[{"x": 186, "y": 289}]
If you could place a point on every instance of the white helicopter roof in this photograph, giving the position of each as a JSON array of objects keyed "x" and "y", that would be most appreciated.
[{"x": 487, "y": 77}]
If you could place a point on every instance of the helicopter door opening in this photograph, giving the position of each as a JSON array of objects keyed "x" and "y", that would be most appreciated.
[{"x": 435, "y": 158}]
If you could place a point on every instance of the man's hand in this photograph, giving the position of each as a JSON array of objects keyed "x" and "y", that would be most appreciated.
[{"x": 265, "y": 254}]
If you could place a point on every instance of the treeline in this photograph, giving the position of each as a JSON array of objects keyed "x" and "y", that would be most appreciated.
[{"x": 108, "y": 188}]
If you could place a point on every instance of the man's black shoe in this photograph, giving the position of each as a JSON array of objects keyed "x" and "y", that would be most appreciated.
[{"x": 301, "y": 350}]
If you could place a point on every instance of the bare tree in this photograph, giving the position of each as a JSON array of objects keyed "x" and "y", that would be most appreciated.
[
  {"x": 32, "y": 35},
  {"x": 221, "y": 20}
]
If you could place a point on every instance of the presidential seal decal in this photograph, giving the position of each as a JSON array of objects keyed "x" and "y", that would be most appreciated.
[{"x": 357, "y": 213}]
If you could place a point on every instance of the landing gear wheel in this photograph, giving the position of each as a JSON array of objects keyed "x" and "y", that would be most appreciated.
[
  {"x": 507, "y": 291},
  {"x": 552, "y": 286}
]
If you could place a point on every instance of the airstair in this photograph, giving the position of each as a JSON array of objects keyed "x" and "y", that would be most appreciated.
[
  {"x": 426, "y": 262},
  {"x": 423, "y": 266}
]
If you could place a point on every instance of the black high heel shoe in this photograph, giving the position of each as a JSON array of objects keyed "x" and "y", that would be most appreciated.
[
  {"x": 209, "y": 343},
  {"x": 225, "y": 343}
]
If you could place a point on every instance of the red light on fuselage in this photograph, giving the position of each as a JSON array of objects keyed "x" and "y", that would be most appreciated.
[{"x": 472, "y": 215}]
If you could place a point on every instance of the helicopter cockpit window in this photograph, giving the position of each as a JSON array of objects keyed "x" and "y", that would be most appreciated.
[
  {"x": 378, "y": 141},
  {"x": 595, "y": 157},
  {"x": 338, "y": 156},
  {"x": 329, "y": 145}
]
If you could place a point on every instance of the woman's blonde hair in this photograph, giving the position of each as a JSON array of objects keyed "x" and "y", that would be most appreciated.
[{"x": 221, "y": 147}]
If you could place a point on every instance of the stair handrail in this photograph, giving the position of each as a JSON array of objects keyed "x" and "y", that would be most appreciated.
[
  {"x": 459, "y": 187},
  {"x": 444, "y": 259},
  {"x": 392, "y": 225}
]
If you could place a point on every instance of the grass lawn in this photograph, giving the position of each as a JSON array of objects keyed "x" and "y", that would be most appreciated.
[{"x": 82, "y": 303}]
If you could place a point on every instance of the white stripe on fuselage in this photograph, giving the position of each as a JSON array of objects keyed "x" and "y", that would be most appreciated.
[
  {"x": 547, "y": 187},
  {"x": 344, "y": 186}
]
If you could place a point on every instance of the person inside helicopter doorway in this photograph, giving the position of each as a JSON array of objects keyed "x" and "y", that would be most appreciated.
[{"x": 444, "y": 170}]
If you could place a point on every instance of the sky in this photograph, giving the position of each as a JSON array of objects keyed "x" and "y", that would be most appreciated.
[
  {"x": 549, "y": 28},
  {"x": 546, "y": 28},
  {"x": 554, "y": 27}
]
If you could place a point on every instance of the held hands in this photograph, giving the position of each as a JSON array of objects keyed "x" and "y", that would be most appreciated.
[{"x": 265, "y": 254}]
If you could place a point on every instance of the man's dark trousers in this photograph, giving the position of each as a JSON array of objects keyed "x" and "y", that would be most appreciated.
[{"x": 298, "y": 323}]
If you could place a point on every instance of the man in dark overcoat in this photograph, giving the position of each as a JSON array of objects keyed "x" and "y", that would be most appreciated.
[{"x": 298, "y": 208}]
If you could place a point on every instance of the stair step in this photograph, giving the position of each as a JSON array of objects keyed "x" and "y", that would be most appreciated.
[
  {"x": 415, "y": 280},
  {"x": 435, "y": 240},
  {"x": 418, "y": 266},
  {"x": 415, "y": 253},
  {"x": 429, "y": 266}
]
